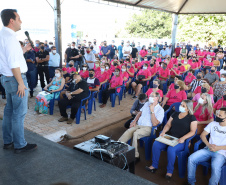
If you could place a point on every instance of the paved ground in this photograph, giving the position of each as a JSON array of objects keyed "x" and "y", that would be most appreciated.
[{"x": 48, "y": 124}]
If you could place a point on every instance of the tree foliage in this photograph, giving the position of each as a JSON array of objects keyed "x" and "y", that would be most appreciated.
[
  {"x": 203, "y": 28},
  {"x": 150, "y": 24}
]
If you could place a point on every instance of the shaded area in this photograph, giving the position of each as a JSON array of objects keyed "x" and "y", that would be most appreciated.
[
  {"x": 115, "y": 131},
  {"x": 52, "y": 163}
]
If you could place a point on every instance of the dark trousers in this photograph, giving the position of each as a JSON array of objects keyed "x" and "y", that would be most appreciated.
[
  {"x": 31, "y": 79},
  {"x": 2, "y": 88},
  {"x": 52, "y": 71},
  {"x": 41, "y": 71},
  {"x": 106, "y": 94},
  {"x": 75, "y": 104},
  {"x": 127, "y": 124}
]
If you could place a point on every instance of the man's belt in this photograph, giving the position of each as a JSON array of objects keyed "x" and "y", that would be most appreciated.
[{"x": 42, "y": 65}]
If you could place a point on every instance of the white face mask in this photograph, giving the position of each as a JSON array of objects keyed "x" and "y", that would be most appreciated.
[
  {"x": 145, "y": 59},
  {"x": 50, "y": 45},
  {"x": 72, "y": 47},
  {"x": 151, "y": 100},
  {"x": 145, "y": 67},
  {"x": 185, "y": 62},
  {"x": 102, "y": 69},
  {"x": 123, "y": 70},
  {"x": 107, "y": 67},
  {"x": 54, "y": 51},
  {"x": 57, "y": 75},
  {"x": 84, "y": 68},
  {"x": 201, "y": 101},
  {"x": 127, "y": 44},
  {"x": 74, "y": 81}
]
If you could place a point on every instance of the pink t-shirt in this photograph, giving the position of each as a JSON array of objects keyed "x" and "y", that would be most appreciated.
[
  {"x": 171, "y": 87},
  {"x": 174, "y": 60},
  {"x": 143, "y": 53},
  {"x": 207, "y": 63},
  {"x": 201, "y": 54},
  {"x": 146, "y": 73},
  {"x": 69, "y": 69},
  {"x": 124, "y": 74},
  {"x": 170, "y": 65},
  {"x": 131, "y": 70},
  {"x": 211, "y": 53},
  {"x": 116, "y": 81},
  {"x": 220, "y": 103},
  {"x": 96, "y": 68},
  {"x": 189, "y": 78},
  {"x": 113, "y": 68},
  {"x": 153, "y": 70},
  {"x": 175, "y": 97},
  {"x": 164, "y": 73},
  {"x": 194, "y": 65},
  {"x": 150, "y": 90},
  {"x": 197, "y": 96},
  {"x": 102, "y": 77},
  {"x": 174, "y": 74},
  {"x": 181, "y": 69},
  {"x": 198, "y": 90},
  {"x": 198, "y": 113},
  {"x": 84, "y": 74}
]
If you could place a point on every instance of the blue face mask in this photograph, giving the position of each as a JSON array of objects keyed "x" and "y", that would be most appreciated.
[
  {"x": 37, "y": 45},
  {"x": 222, "y": 79},
  {"x": 182, "y": 109}
]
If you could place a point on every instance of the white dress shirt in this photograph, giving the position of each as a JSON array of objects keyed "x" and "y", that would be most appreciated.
[
  {"x": 54, "y": 60},
  {"x": 145, "y": 118},
  {"x": 11, "y": 53},
  {"x": 126, "y": 48}
]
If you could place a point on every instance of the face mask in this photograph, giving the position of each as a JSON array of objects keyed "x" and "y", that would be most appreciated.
[
  {"x": 176, "y": 86},
  {"x": 42, "y": 47},
  {"x": 116, "y": 73},
  {"x": 185, "y": 62},
  {"x": 141, "y": 102},
  {"x": 151, "y": 65},
  {"x": 87, "y": 52},
  {"x": 103, "y": 61},
  {"x": 72, "y": 47},
  {"x": 182, "y": 109},
  {"x": 222, "y": 79},
  {"x": 128, "y": 67},
  {"x": 91, "y": 47},
  {"x": 155, "y": 86},
  {"x": 133, "y": 62},
  {"x": 203, "y": 90},
  {"x": 54, "y": 51},
  {"x": 79, "y": 47},
  {"x": 84, "y": 68},
  {"x": 102, "y": 69},
  {"x": 105, "y": 44},
  {"x": 115, "y": 64},
  {"x": 74, "y": 81},
  {"x": 127, "y": 44},
  {"x": 107, "y": 67},
  {"x": 94, "y": 42},
  {"x": 201, "y": 101},
  {"x": 122, "y": 43},
  {"x": 145, "y": 59},
  {"x": 198, "y": 77},
  {"x": 57, "y": 75},
  {"x": 50, "y": 45},
  {"x": 37, "y": 45},
  {"x": 201, "y": 50},
  {"x": 164, "y": 48},
  {"x": 164, "y": 67},
  {"x": 219, "y": 120},
  {"x": 212, "y": 71},
  {"x": 179, "y": 64},
  {"x": 123, "y": 70},
  {"x": 151, "y": 100},
  {"x": 144, "y": 67},
  {"x": 97, "y": 65},
  {"x": 224, "y": 97},
  {"x": 70, "y": 65},
  {"x": 90, "y": 75},
  {"x": 154, "y": 45}
]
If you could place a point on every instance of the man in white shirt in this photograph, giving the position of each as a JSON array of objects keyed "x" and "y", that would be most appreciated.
[
  {"x": 13, "y": 68},
  {"x": 126, "y": 50},
  {"x": 215, "y": 149},
  {"x": 151, "y": 114},
  {"x": 90, "y": 58},
  {"x": 54, "y": 61}
]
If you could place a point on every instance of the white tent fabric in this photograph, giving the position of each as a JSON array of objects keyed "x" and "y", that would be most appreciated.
[{"x": 179, "y": 6}]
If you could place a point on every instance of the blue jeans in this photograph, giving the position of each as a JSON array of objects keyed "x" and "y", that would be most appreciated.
[
  {"x": 31, "y": 79},
  {"x": 221, "y": 63},
  {"x": 217, "y": 161},
  {"x": 14, "y": 113},
  {"x": 171, "y": 154}
]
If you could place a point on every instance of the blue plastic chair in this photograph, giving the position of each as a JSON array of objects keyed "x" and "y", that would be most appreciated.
[
  {"x": 130, "y": 90},
  {"x": 103, "y": 87},
  {"x": 113, "y": 96},
  {"x": 206, "y": 165},
  {"x": 151, "y": 81},
  {"x": 183, "y": 157},
  {"x": 176, "y": 105},
  {"x": 92, "y": 102},
  {"x": 145, "y": 88}
]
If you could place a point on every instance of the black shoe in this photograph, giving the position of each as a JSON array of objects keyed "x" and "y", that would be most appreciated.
[
  {"x": 137, "y": 159},
  {"x": 27, "y": 148},
  {"x": 168, "y": 177},
  {"x": 150, "y": 170},
  {"x": 31, "y": 94},
  {"x": 134, "y": 97},
  {"x": 8, "y": 146}
]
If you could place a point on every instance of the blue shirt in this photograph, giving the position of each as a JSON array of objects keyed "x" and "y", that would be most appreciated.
[
  {"x": 105, "y": 49},
  {"x": 112, "y": 50},
  {"x": 120, "y": 51},
  {"x": 163, "y": 52},
  {"x": 30, "y": 55},
  {"x": 54, "y": 60}
]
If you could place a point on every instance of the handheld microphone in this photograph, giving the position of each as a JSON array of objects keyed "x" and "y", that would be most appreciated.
[{"x": 29, "y": 39}]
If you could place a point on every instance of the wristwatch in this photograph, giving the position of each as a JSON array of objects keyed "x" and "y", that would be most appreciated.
[
  {"x": 71, "y": 93},
  {"x": 152, "y": 112}
]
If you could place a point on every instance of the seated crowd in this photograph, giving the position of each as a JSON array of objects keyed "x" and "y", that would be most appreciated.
[{"x": 192, "y": 77}]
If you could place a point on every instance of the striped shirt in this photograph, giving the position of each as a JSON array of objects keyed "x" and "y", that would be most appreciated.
[{"x": 195, "y": 83}]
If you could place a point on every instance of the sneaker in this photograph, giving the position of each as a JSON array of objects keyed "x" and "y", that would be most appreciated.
[
  {"x": 63, "y": 119},
  {"x": 8, "y": 146},
  {"x": 27, "y": 148},
  {"x": 134, "y": 97},
  {"x": 70, "y": 121}
]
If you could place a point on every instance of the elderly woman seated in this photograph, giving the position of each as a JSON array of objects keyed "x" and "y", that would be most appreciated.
[
  {"x": 155, "y": 88},
  {"x": 220, "y": 87},
  {"x": 56, "y": 85},
  {"x": 181, "y": 125}
]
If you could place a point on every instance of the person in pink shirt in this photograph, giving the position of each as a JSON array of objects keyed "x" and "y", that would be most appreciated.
[
  {"x": 115, "y": 82},
  {"x": 203, "y": 111},
  {"x": 97, "y": 66},
  {"x": 174, "y": 72},
  {"x": 152, "y": 68},
  {"x": 84, "y": 73},
  {"x": 199, "y": 88},
  {"x": 194, "y": 65},
  {"x": 220, "y": 103},
  {"x": 212, "y": 54},
  {"x": 71, "y": 67},
  {"x": 143, "y": 52},
  {"x": 201, "y": 54},
  {"x": 158, "y": 59},
  {"x": 164, "y": 74},
  {"x": 205, "y": 88},
  {"x": 115, "y": 64},
  {"x": 171, "y": 87},
  {"x": 181, "y": 68},
  {"x": 124, "y": 74},
  {"x": 145, "y": 61},
  {"x": 176, "y": 95},
  {"x": 207, "y": 64},
  {"x": 190, "y": 77},
  {"x": 155, "y": 88},
  {"x": 130, "y": 70},
  {"x": 174, "y": 59},
  {"x": 143, "y": 76},
  {"x": 107, "y": 70},
  {"x": 102, "y": 75}
]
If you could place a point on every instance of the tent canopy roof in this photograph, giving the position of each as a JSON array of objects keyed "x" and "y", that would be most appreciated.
[{"x": 179, "y": 6}]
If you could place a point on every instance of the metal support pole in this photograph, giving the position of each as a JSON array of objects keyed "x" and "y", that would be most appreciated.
[
  {"x": 174, "y": 30},
  {"x": 57, "y": 23}
]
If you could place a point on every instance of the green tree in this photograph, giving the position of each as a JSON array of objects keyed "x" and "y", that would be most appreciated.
[
  {"x": 150, "y": 24},
  {"x": 203, "y": 28}
]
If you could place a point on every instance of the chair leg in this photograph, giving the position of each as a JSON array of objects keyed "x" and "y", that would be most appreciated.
[
  {"x": 90, "y": 103},
  {"x": 78, "y": 115},
  {"x": 94, "y": 103},
  {"x": 51, "y": 107},
  {"x": 148, "y": 149},
  {"x": 112, "y": 99}
]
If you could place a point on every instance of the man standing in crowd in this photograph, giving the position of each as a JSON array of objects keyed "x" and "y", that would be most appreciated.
[
  {"x": 126, "y": 50},
  {"x": 42, "y": 58},
  {"x": 113, "y": 50},
  {"x": 90, "y": 58},
  {"x": 96, "y": 48},
  {"x": 120, "y": 54},
  {"x": 155, "y": 50},
  {"x": 160, "y": 46},
  {"x": 72, "y": 54},
  {"x": 105, "y": 50},
  {"x": 169, "y": 50},
  {"x": 138, "y": 47},
  {"x": 13, "y": 69},
  {"x": 163, "y": 53},
  {"x": 37, "y": 46},
  {"x": 177, "y": 50},
  {"x": 188, "y": 46},
  {"x": 54, "y": 61},
  {"x": 134, "y": 52}
]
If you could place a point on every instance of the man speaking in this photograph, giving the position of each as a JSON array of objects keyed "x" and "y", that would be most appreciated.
[{"x": 13, "y": 68}]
